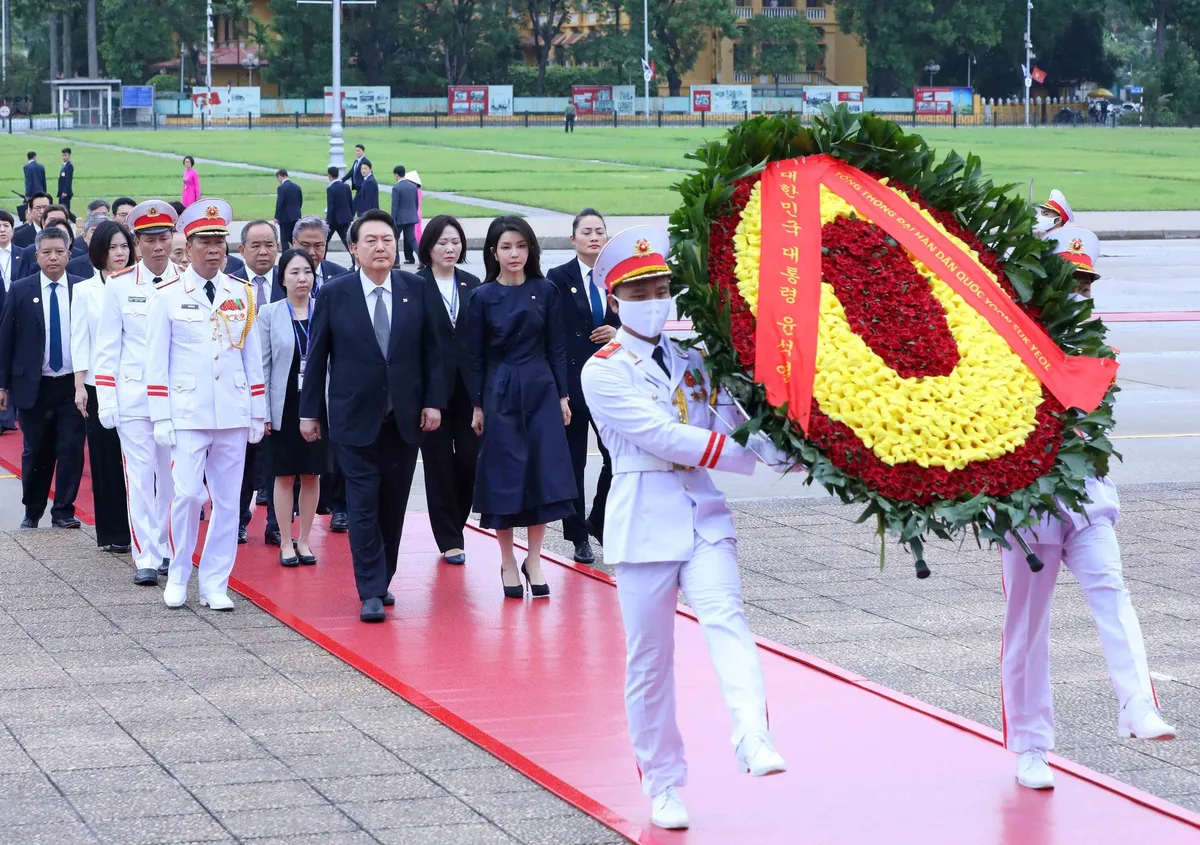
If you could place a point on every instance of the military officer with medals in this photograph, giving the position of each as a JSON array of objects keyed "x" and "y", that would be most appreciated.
[
  {"x": 121, "y": 370},
  {"x": 667, "y": 526},
  {"x": 207, "y": 399},
  {"x": 1087, "y": 545}
]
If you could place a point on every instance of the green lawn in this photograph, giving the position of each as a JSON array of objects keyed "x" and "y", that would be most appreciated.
[{"x": 620, "y": 171}]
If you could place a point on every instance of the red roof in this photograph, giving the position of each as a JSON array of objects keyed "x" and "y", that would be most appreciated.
[{"x": 225, "y": 55}]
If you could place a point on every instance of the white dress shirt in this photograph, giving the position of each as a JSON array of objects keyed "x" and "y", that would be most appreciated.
[
  {"x": 449, "y": 292},
  {"x": 6, "y": 258},
  {"x": 369, "y": 289},
  {"x": 588, "y": 285},
  {"x": 64, "y": 319}
]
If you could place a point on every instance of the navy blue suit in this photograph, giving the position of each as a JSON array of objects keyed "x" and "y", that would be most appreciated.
[
  {"x": 354, "y": 173},
  {"x": 80, "y": 265},
  {"x": 23, "y": 236},
  {"x": 579, "y": 323},
  {"x": 374, "y": 408},
  {"x": 52, "y": 427},
  {"x": 35, "y": 178},
  {"x": 367, "y": 196},
  {"x": 288, "y": 201},
  {"x": 24, "y": 263},
  {"x": 234, "y": 266},
  {"x": 339, "y": 211}
]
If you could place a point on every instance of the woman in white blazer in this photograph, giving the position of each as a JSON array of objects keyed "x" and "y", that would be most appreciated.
[
  {"x": 284, "y": 327},
  {"x": 111, "y": 249}
]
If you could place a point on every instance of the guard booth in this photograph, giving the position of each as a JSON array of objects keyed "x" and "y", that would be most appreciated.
[{"x": 87, "y": 102}]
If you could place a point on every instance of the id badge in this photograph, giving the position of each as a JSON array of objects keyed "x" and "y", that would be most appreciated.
[{"x": 300, "y": 376}]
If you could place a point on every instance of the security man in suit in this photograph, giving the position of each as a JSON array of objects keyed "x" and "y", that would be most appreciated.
[
  {"x": 590, "y": 324},
  {"x": 37, "y": 377},
  {"x": 354, "y": 171},
  {"x": 668, "y": 527},
  {"x": 367, "y": 196},
  {"x": 288, "y": 201},
  {"x": 204, "y": 380},
  {"x": 404, "y": 212},
  {"x": 66, "y": 179},
  {"x": 1087, "y": 544},
  {"x": 35, "y": 176},
  {"x": 24, "y": 234},
  {"x": 339, "y": 208},
  {"x": 121, "y": 398}
]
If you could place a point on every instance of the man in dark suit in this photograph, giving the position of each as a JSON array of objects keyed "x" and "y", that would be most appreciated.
[
  {"x": 288, "y": 200},
  {"x": 234, "y": 266},
  {"x": 37, "y": 377},
  {"x": 339, "y": 208},
  {"x": 24, "y": 234},
  {"x": 66, "y": 179},
  {"x": 404, "y": 211},
  {"x": 309, "y": 235},
  {"x": 11, "y": 261},
  {"x": 590, "y": 324},
  {"x": 354, "y": 171},
  {"x": 367, "y": 197},
  {"x": 374, "y": 335},
  {"x": 35, "y": 175}
]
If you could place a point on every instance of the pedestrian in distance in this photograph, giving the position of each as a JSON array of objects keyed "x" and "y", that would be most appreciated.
[
  {"x": 375, "y": 353},
  {"x": 339, "y": 208},
  {"x": 517, "y": 376},
  {"x": 285, "y": 328},
  {"x": 589, "y": 324},
  {"x": 191, "y": 182},
  {"x": 37, "y": 378},
  {"x": 367, "y": 197},
  {"x": 405, "y": 213},
  {"x": 415, "y": 177},
  {"x": 289, "y": 200},
  {"x": 66, "y": 179},
  {"x": 110, "y": 251},
  {"x": 35, "y": 176},
  {"x": 569, "y": 117},
  {"x": 449, "y": 454},
  {"x": 354, "y": 173}
]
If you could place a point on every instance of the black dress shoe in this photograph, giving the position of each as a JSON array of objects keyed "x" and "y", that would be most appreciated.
[
  {"x": 584, "y": 553},
  {"x": 324, "y": 510},
  {"x": 290, "y": 560},
  {"x": 119, "y": 548},
  {"x": 146, "y": 577},
  {"x": 389, "y": 599},
  {"x": 66, "y": 522},
  {"x": 243, "y": 535},
  {"x": 372, "y": 611},
  {"x": 339, "y": 523},
  {"x": 29, "y": 522},
  {"x": 596, "y": 532},
  {"x": 272, "y": 538},
  {"x": 164, "y": 568},
  {"x": 458, "y": 559},
  {"x": 261, "y": 499}
]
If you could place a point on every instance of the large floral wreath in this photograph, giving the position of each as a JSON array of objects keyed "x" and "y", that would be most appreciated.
[{"x": 920, "y": 410}]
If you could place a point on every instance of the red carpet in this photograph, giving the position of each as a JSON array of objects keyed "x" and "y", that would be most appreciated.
[{"x": 539, "y": 685}]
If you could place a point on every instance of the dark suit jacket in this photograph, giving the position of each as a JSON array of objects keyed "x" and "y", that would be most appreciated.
[
  {"x": 35, "y": 178},
  {"x": 23, "y": 264},
  {"x": 342, "y": 346},
  {"x": 367, "y": 196},
  {"x": 66, "y": 181},
  {"x": 81, "y": 265},
  {"x": 234, "y": 266},
  {"x": 577, "y": 318},
  {"x": 354, "y": 172},
  {"x": 23, "y": 235},
  {"x": 404, "y": 203},
  {"x": 79, "y": 246},
  {"x": 23, "y": 339},
  {"x": 453, "y": 337},
  {"x": 339, "y": 207},
  {"x": 329, "y": 271},
  {"x": 288, "y": 199}
]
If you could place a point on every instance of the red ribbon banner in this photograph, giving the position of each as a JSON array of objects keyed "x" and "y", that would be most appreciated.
[{"x": 790, "y": 278}]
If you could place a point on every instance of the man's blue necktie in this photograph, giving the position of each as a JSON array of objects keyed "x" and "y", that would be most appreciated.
[
  {"x": 597, "y": 302},
  {"x": 56, "y": 349}
]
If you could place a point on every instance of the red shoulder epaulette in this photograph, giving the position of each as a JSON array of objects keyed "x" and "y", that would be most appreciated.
[
  {"x": 608, "y": 350},
  {"x": 123, "y": 271}
]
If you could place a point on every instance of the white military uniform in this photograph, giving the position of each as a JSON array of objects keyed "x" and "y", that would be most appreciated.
[
  {"x": 204, "y": 375},
  {"x": 121, "y": 369},
  {"x": 668, "y": 528}
]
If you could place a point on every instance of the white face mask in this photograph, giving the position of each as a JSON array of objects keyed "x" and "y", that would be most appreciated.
[
  {"x": 1046, "y": 220},
  {"x": 645, "y": 318},
  {"x": 1076, "y": 297}
]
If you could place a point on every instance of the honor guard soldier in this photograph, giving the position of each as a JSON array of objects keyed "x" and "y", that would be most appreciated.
[
  {"x": 1053, "y": 214},
  {"x": 207, "y": 399},
  {"x": 121, "y": 371},
  {"x": 1087, "y": 544},
  {"x": 667, "y": 526}
]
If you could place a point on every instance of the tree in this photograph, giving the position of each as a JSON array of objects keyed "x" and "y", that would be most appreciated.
[
  {"x": 131, "y": 41},
  {"x": 299, "y": 60},
  {"x": 680, "y": 29},
  {"x": 475, "y": 37},
  {"x": 778, "y": 46},
  {"x": 613, "y": 46},
  {"x": 546, "y": 20}
]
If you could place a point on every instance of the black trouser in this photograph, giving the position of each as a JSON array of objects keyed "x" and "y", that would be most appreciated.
[
  {"x": 378, "y": 481},
  {"x": 109, "y": 495},
  {"x": 449, "y": 455},
  {"x": 409, "y": 233},
  {"x": 254, "y": 477},
  {"x": 574, "y": 527},
  {"x": 333, "y": 487},
  {"x": 570, "y": 126},
  {"x": 286, "y": 228},
  {"x": 342, "y": 231},
  {"x": 53, "y": 433}
]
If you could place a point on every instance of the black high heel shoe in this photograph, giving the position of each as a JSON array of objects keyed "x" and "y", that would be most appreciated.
[
  {"x": 517, "y": 592},
  {"x": 538, "y": 591}
]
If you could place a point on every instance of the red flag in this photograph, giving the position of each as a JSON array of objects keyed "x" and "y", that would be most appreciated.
[{"x": 1038, "y": 75}]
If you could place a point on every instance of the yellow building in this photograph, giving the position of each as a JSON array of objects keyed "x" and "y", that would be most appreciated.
[
  {"x": 236, "y": 58},
  {"x": 843, "y": 59}
]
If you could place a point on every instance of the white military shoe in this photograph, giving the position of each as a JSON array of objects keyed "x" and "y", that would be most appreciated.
[
  {"x": 1033, "y": 772},
  {"x": 757, "y": 756},
  {"x": 175, "y": 595},
  {"x": 216, "y": 601},
  {"x": 1140, "y": 720},
  {"x": 668, "y": 811}
]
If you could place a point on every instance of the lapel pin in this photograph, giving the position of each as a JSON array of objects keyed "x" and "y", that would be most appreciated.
[
  {"x": 533, "y": 296},
  {"x": 404, "y": 300},
  {"x": 36, "y": 300},
  {"x": 574, "y": 290}
]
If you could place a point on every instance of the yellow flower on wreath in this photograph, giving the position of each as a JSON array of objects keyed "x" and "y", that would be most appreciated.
[{"x": 985, "y": 408}]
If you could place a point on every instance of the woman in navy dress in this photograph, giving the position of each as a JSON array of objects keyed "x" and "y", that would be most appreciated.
[{"x": 517, "y": 365}]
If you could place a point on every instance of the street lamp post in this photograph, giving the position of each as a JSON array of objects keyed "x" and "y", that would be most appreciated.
[
  {"x": 250, "y": 62},
  {"x": 970, "y": 61},
  {"x": 646, "y": 55},
  {"x": 1028, "y": 55},
  {"x": 208, "y": 48},
  {"x": 182, "y": 58},
  {"x": 931, "y": 69}
]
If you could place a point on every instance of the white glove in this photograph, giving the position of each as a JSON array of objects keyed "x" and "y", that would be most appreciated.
[
  {"x": 164, "y": 433},
  {"x": 768, "y": 452},
  {"x": 108, "y": 417},
  {"x": 257, "y": 427}
]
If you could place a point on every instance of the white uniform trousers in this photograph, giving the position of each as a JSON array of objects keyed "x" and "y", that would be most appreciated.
[
  {"x": 649, "y": 593},
  {"x": 150, "y": 488},
  {"x": 220, "y": 456},
  {"x": 1091, "y": 553}
]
